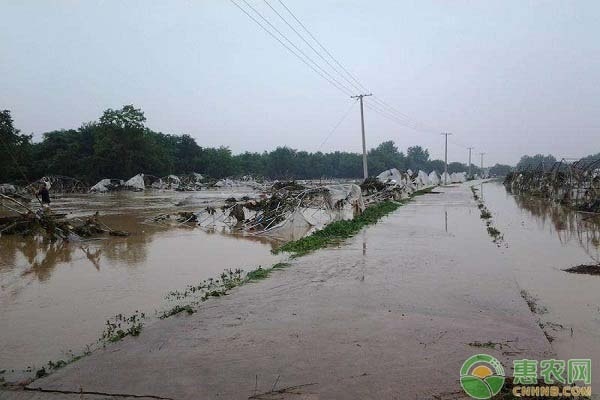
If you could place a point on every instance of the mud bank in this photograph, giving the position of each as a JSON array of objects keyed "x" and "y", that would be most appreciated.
[{"x": 391, "y": 313}]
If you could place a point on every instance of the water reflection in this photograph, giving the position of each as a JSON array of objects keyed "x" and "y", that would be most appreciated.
[
  {"x": 569, "y": 225},
  {"x": 39, "y": 255},
  {"x": 65, "y": 291}
]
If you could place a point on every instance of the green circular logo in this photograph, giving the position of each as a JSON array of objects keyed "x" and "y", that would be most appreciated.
[{"x": 482, "y": 376}]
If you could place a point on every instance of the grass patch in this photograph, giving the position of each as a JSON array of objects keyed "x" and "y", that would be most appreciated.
[
  {"x": 339, "y": 230},
  {"x": 176, "y": 310},
  {"x": 485, "y": 214},
  {"x": 120, "y": 326},
  {"x": 495, "y": 233},
  {"x": 258, "y": 274}
]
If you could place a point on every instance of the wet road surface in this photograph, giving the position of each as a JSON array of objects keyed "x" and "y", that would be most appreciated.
[{"x": 392, "y": 314}]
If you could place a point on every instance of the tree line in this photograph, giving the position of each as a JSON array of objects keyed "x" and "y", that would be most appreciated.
[{"x": 120, "y": 145}]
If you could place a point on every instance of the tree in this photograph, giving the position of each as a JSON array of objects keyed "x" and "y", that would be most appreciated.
[
  {"x": 537, "y": 161},
  {"x": 121, "y": 143},
  {"x": 127, "y": 117},
  {"x": 500, "y": 170},
  {"x": 384, "y": 157},
  {"x": 417, "y": 158},
  {"x": 15, "y": 149},
  {"x": 457, "y": 167}
]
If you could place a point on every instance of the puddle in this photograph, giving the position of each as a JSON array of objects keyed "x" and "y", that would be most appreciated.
[
  {"x": 543, "y": 239},
  {"x": 56, "y": 297}
]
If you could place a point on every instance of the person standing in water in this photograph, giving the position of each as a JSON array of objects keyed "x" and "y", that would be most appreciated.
[{"x": 44, "y": 194}]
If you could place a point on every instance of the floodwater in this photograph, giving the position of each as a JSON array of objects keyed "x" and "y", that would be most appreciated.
[
  {"x": 56, "y": 297},
  {"x": 542, "y": 239}
]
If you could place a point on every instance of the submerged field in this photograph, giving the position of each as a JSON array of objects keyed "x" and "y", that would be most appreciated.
[
  {"x": 57, "y": 296},
  {"x": 408, "y": 288}
]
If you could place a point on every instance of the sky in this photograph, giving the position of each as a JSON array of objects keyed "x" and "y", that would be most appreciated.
[{"x": 507, "y": 77}]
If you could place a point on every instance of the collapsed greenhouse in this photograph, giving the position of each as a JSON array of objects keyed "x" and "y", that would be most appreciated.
[
  {"x": 280, "y": 210},
  {"x": 574, "y": 183}
]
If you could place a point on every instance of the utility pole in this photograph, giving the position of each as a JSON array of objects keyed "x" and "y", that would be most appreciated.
[
  {"x": 470, "y": 165},
  {"x": 482, "y": 174},
  {"x": 446, "y": 158},
  {"x": 362, "y": 124}
]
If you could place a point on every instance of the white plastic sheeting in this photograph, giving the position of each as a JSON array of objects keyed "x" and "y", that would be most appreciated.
[
  {"x": 458, "y": 177},
  {"x": 346, "y": 199},
  {"x": 434, "y": 178},
  {"x": 401, "y": 180},
  {"x": 136, "y": 183},
  {"x": 101, "y": 187},
  {"x": 445, "y": 178},
  {"x": 106, "y": 185},
  {"x": 422, "y": 179},
  {"x": 390, "y": 176},
  {"x": 168, "y": 182},
  {"x": 340, "y": 202},
  {"x": 7, "y": 188}
]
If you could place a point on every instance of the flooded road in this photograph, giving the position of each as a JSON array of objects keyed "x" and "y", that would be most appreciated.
[
  {"x": 55, "y": 297},
  {"x": 391, "y": 313},
  {"x": 542, "y": 240}
]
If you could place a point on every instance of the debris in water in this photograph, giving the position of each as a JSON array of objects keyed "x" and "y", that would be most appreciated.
[{"x": 589, "y": 269}]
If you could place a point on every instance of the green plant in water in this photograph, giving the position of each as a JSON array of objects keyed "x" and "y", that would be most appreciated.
[
  {"x": 339, "y": 230},
  {"x": 176, "y": 310},
  {"x": 258, "y": 274},
  {"x": 121, "y": 326}
]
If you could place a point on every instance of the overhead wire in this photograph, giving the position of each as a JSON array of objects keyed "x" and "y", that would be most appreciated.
[
  {"x": 336, "y": 126},
  {"x": 316, "y": 65},
  {"x": 351, "y": 82},
  {"x": 288, "y": 48},
  {"x": 357, "y": 84}
]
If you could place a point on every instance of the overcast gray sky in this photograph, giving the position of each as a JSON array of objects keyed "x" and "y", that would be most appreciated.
[{"x": 507, "y": 77}]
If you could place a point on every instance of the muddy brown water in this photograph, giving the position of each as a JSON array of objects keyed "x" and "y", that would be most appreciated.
[
  {"x": 56, "y": 297},
  {"x": 541, "y": 240}
]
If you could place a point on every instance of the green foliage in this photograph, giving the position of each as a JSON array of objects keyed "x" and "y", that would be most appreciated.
[
  {"x": 258, "y": 274},
  {"x": 119, "y": 145},
  {"x": 417, "y": 158},
  {"x": 120, "y": 326},
  {"x": 500, "y": 170},
  {"x": 537, "y": 161},
  {"x": 176, "y": 310},
  {"x": 15, "y": 150},
  {"x": 339, "y": 230}
]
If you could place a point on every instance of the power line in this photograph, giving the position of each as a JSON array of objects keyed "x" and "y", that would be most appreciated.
[
  {"x": 414, "y": 125},
  {"x": 323, "y": 47},
  {"x": 378, "y": 105},
  {"x": 338, "y": 124},
  {"x": 311, "y": 46},
  {"x": 297, "y": 48},
  {"x": 289, "y": 49}
]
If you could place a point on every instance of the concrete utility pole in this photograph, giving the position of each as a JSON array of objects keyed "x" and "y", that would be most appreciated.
[
  {"x": 470, "y": 165},
  {"x": 482, "y": 174},
  {"x": 362, "y": 124},
  {"x": 446, "y": 158}
]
